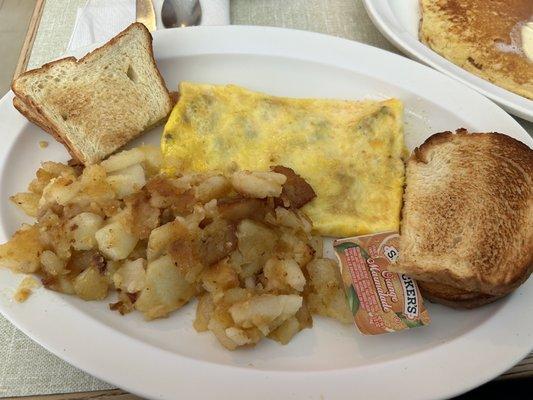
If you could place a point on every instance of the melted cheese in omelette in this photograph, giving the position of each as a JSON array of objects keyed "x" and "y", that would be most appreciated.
[{"x": 350, "y": 152}]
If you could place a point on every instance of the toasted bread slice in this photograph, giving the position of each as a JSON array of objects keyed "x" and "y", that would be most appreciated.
[
  {"x": 483, "y": 37},
  {"x": 468, "y": 212},
  {"x": 98, "y": 103},
  {"x": 453, "y": 297},
  {"x": 34, "y": 117}
]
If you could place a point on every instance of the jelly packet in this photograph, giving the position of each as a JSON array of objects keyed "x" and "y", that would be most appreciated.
[{"x": 381, "y": 301}]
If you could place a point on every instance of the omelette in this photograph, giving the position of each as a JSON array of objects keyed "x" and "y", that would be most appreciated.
[{"x": 351, "y": 152}]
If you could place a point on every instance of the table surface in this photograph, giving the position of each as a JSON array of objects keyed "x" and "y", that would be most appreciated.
[{"x": 27, "y": 368}]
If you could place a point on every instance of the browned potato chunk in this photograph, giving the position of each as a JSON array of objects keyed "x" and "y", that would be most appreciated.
[
  {"x": 127, "y": 181},
  {"x": 131, "y": 276},
  {"x": 123, "y": 159},
  {"x": 213, "y": 187},
  {"x": 52, "y": 264},
  {"x": 256, "y": 243},
  {"x": 258, "y": 184},
  {"x": 185, "y": 254},
  {"x": 285, "y": 332},
  {"x": 162, "y": 236},
  {"x": 27, "y": 202},
  {"x": 283, "y": 274},
  {"x": 91, "y": 285},
  {"x": 143, "y": 218},
  {"x": 266, "y": 312},
  {"x": 22, "y": 252},
  {"x": 218, "y": 241},
  {"x": 83, "y": 228},
  {"x": 219, "y": 278},
  {"x": 166, "y": 289},
  {"x": 238, "y": 209},
  {"x": 115, "y": 241},
  {"x": 204, "y": 312},
  {"x": 327, "y": 296}
]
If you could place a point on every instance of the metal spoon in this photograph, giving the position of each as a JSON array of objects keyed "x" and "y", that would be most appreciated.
[{"x": 181, "y": 13}]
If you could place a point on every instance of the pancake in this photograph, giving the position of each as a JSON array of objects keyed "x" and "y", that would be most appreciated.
[
  {"x": 483, "y": 37},
  {"x": 453, "y": 297}
]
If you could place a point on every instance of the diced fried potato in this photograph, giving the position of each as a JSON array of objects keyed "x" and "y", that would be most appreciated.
[
  {"x": 291, "y": 220},
  {"x": 221, "y": 319},
  {"x": 94, "y": 186},
  {"x": 127, "y": 181},
  {"x": 218, "y": 278},
  {"x": 166, "y": 289},
  {"x": 24, "y": 289},
  {"x": 205, "y": 234},
  {"x": 114, "y": 241},
  {"x": 27, "y": 202},
  {"x": 283, "y": 274},
  {"x": 83, "y": 228},
  {"x": 152, "y": 159},
  {"x": 143, "y": 217},
  {"x": 255, "y": 242},
  {"x": 237, "y": 209},
  {"x": 204, "y": 312},
  {"x": 218, "y": 324},
  {"x": 327, "y": 296},
  {"x": 303, "y": 315},
  {"x": 258, "y": 184},
  {"x": 185, "y": 253},
  {"x": 47, "y": 172},
  {"x": 91, "y": 285},
  {"x": 266, "y": 312},
  {"x": 214, "y": 187},
  {"x": 54, "y": 235},
  {"x": 125, "y": 303},
  {"x": 162, "y": 236},
  {"x": 166, "y": 192},
  {"x": 285, "y": 332},
  {"x": 238, "y": 336},
  {"x": 110, "y": 268},
  {"x": 22, "y": 252},
  {"x": 81, "y": 260},
  {"x": 131, "y": 276},
  {"x": 123, "y": 159},
  {"x": 292, "y": 246},
  {"x": 58, "y": 169},
  {"x": 60, "y": 190},
  {"x": 52, "y": 264},
  {"x": 61, "y": 284},
  {"x": 218, "y": 241}
]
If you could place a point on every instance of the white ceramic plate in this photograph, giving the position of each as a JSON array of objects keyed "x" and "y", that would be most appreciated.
[
  {"x": 167, "y": 358},
  {"x": 398, "y": 21}
]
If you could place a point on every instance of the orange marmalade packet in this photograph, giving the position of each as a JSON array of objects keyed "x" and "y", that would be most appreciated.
[{"x": 381, "y": 301}]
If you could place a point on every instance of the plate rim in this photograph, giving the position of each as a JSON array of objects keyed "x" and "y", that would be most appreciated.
[
  {"x": 403, "y": 41},
  {"x": 307, "y": 383}
]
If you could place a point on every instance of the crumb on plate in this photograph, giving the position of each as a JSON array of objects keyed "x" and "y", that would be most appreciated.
[{"x": 24, "y": 289}]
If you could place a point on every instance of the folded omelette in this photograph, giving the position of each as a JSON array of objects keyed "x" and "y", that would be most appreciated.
[{"x": 351, "y": 152}]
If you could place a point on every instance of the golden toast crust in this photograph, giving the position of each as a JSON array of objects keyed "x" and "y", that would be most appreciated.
[
  {"x": 35, "y": 113},
  {"x": 468, "y": 212}
]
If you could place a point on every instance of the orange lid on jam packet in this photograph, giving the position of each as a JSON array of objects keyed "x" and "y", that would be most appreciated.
[{"x": 381, "y": 301}]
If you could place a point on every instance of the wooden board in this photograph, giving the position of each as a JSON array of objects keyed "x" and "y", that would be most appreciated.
[{"x": 30, "y": 38}]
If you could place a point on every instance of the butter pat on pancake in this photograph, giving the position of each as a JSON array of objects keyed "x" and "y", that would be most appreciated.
[{"x": 351, "y": 152}]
